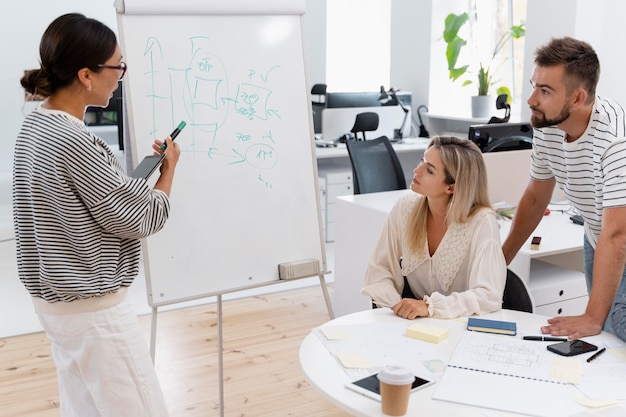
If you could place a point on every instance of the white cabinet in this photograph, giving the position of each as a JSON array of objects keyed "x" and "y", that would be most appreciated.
[
  {"x": 557, "y": 291},
  {"x": 338, "y": 183}
]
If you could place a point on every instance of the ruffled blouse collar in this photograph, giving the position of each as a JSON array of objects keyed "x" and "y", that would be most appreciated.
[{"x": 450, "y": 254}]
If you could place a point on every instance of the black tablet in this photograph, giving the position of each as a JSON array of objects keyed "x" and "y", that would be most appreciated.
[{"x": 147, "y": 166}]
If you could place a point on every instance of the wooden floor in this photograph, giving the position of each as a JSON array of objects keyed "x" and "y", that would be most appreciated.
[{"x": 262, "y": 337}]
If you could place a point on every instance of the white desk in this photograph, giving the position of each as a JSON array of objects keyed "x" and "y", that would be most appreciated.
[
  {"x": 324, "y": 372},
  {"x": 335, "y": 174},
  {"x": 556, "y": 290}
]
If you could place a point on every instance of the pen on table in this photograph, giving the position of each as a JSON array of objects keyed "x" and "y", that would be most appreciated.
[
  {"x": 595, "y": 355},
  {"x": 175, "y": 133},
  {"x": 546, "y": 338}
]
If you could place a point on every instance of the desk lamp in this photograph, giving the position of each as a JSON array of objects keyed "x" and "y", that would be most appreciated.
[
  {"x": 423, "y": 131},
  {"x": 389, "y": 98}
]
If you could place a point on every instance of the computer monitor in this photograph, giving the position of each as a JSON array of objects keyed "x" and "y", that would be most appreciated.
[
  {"x": 110, "y": 115},
  {"x": 497, "y": 137},
  {"x": 362, "y": 99}
]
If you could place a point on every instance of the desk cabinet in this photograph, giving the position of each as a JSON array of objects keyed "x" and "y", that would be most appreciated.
[
  {"x": 338, "y": 183},
  {"x": 557, "y": 291}
]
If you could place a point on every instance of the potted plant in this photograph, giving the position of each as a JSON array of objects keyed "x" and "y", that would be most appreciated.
[{"x": 484, "y": 73}]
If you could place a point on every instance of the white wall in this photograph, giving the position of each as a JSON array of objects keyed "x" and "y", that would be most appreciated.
[
  {"x": 314, "y": 25},
  {"x": 22, "y": 25},
  {"x": 410, "y": 48},
  {"x": 599, "y": 22}
]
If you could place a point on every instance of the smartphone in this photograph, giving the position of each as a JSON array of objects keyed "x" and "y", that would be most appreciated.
[
  {"x": 147, "y": 166},
  {"x": 572, "y": 347},
  {"x": 370, "y": 386}
]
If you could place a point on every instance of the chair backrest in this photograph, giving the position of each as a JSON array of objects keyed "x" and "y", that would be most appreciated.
[
  {"x": 365, "y": 122},
  {"x": 375, "y": 166},
  {"x": 320, "y": 91},
  {"x": 516, "y": 295}
]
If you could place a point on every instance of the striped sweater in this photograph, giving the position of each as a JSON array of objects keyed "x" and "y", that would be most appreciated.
[
  {"x": 78, "y": 217},
  {"x": 591, "y": 171}
]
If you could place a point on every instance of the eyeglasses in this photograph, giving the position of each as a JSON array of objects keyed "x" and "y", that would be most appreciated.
[{"x": 121, "y": 67}]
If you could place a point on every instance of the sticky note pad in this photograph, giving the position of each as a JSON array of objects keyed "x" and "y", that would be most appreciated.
[
  {"x": 428, "y": 333},
  {"x": 335, "y": 333},
  {"x": 352, "y": 360}
]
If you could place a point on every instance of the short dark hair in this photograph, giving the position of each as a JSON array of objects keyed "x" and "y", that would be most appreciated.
[
  {"x": 578, "y": 58},
  {"x": 71, "y": 42}
]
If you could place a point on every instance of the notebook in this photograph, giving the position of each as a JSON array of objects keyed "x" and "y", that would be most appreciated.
[
  {"x": 504, "y": 373},
  {"x": 492, "y": 326}
]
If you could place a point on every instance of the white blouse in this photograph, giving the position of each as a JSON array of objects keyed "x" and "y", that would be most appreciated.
[{"x": 465, "y": 276}]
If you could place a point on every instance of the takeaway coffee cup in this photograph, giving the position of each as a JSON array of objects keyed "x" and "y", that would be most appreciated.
[{"x": 395, "y": 387}]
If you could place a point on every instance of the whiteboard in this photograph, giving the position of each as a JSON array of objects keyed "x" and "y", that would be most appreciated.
[{"x": 245, "y": 195}]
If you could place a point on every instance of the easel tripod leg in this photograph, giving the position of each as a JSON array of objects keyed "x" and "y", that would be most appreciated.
[
  {"x": 220, "y": 354},
  {"x": 153, "y": 329},
  {"x": 329, "y": 305}
]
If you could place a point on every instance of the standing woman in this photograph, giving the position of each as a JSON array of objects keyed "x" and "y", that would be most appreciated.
[
  {"x": 78, "y": 219},
  {"x": 444, "y": 238}
]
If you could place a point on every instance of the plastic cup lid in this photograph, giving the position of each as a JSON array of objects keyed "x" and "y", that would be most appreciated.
[{"x": 395, "y": 375}]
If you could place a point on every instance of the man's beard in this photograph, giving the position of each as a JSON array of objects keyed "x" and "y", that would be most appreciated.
[{"x": 539, "y": 122}]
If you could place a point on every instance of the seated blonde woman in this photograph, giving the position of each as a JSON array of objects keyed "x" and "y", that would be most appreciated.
[{"x": 439, "y": 253}]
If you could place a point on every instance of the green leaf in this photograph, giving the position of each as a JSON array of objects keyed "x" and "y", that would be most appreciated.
[
  {"x": 484, "y": 81},
  {"x": 453, "y": 50},
  {"x": 517, "y": 31},
  {"x": 453, "y": 23},
  {"x": 455, "y": 73}
]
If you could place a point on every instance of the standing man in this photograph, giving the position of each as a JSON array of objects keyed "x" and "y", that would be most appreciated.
[{"x": 579, "y": 144}]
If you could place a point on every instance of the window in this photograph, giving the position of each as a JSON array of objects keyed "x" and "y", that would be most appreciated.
[
  {"x": 358, "y": 43},
  {"x": 489, "y": 20}
]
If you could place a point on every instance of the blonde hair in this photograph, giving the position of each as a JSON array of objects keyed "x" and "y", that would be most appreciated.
[{"x": 465, "y": 168}]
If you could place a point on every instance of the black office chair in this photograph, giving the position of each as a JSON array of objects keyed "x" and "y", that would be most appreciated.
[
  {"x": 516, "y": 295},
  {"x": 375, "y": 166},
  {"x": 502, "y": 104},
  {"x": 318, "y": 105},
  {"x": 364, "y": 122}
]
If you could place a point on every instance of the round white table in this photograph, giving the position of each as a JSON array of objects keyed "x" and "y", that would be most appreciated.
[{"x": 326, "y": 374}]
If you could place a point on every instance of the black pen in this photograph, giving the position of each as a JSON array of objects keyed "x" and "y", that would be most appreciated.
[
  {"x": 546, "y": 338},
  {"x": 595, "y": 355}
]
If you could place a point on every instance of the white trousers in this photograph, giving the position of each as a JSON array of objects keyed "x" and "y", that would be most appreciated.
[{"x": 103, "y": 362}]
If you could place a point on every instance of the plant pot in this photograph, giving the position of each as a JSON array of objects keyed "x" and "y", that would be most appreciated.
[{"x": 483, "y": 106}]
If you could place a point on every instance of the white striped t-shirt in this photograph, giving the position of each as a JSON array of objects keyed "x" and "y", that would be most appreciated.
[
  {"x": 78, "y": 217},
  {"x": 591, "y": 171}
]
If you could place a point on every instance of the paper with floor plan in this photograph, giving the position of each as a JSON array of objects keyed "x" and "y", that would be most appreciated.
[{"x": 485, "y": 369}]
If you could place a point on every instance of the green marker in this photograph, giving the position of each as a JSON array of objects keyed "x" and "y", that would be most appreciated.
[{"x": 175, "y": 133}]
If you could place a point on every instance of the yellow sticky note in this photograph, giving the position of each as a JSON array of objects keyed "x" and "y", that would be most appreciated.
[
  {"x": 428, "y": 333},
  {"x": 352, "y": 360},
  {"x": 566, "y": 370},
  {"x": 593, "y": 403},
  {"x": 335, "y": 333},
  {"x": 619, "y": 353}
]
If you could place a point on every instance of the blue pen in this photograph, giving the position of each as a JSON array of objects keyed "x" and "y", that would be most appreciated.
[{"x": 175, "y": 133}]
